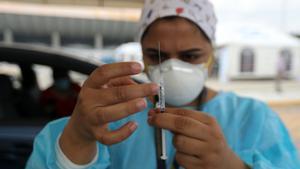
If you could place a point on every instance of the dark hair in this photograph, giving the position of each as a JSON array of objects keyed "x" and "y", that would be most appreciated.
[{"x": 172, "y": 18}]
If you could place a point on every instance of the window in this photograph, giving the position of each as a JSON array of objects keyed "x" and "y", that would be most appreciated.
[
  {"x": 286, "y": 59},
  {"x": 21, "y": 89},
  {"x": 247, "y": 60}
]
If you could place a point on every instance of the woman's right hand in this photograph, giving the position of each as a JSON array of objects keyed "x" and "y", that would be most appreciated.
[{"x": 108, "y": 95}]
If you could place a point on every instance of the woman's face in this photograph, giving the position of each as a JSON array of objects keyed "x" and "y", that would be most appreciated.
[{"x": 178, "y": 38}]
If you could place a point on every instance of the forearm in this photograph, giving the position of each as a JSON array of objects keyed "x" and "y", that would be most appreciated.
[
  {"x": 75, "y": 148},
  {"x": 236, "y": 162}
]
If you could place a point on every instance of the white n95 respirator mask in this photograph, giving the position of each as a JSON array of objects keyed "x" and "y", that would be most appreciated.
[{"x": 183, "y": 81}]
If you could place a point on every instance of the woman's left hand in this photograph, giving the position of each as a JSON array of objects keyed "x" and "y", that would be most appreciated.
[{"x": 198, "y": 139}]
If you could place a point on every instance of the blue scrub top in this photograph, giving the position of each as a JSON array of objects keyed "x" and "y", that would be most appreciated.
[{"x": 252, "y": 130}]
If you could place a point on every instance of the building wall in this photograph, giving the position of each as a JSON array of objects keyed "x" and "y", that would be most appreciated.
[
  {"x": 296, "y": 64},
  {"x": 265, "y": 62},
  {"x": 233, "y": 65}
]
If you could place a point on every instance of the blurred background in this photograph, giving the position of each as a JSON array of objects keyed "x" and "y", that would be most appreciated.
[{"x": 48, "y": 48}]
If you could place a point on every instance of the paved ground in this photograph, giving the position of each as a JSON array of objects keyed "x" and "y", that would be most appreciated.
[
  {"x": 286, "y": 103},
  {"x": 291, "y": 117},
  {"x": 263, "y": 90}
]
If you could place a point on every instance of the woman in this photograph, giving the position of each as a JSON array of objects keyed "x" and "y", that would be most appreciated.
[{"x": 208, "y": 129}]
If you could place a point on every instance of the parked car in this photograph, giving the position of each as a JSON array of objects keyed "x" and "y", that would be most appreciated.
[{"x": 18, "y": 129}]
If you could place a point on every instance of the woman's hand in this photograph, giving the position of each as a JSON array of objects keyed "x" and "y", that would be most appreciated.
[
  {"x": 198, "y": 139},
  {"x": 108, "y": 95}
]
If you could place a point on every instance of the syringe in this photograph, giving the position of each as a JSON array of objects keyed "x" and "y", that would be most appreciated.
[{"x": 161, "y": 105}]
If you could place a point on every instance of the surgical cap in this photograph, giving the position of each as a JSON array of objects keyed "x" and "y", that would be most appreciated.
[{"x": 200, "y": 12}]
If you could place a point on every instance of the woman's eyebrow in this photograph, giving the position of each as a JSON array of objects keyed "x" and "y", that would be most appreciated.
[
  {"x": 153, "y": 50},
  {"x": 193, "y": 50}
]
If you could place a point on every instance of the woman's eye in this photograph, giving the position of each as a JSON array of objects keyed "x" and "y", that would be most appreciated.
[
  {"x": 191, "y": 57},
  {"x": 155, "y": 58}
]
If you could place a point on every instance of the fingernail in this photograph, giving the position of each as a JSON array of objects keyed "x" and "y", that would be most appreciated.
[
  {"x": 151, "y": 112},
  {"x": 150, "y": 119},
  {"x": 133, "y": 126},
  {"x": 154, "y": 88},
  {"x": 141, "y": 105},
  {"x": 136, "y": 68}
]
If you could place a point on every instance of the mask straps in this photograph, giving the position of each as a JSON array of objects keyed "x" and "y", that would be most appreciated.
[
  {"x": 209, "y": 62},
  {"x": 202, "y": 98},
  {"x": 204, "y": 92}
]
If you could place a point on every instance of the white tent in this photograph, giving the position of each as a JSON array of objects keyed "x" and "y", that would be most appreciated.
[
  {"x": 265, "y": 46},
  {"x": 131, "y": 51}
]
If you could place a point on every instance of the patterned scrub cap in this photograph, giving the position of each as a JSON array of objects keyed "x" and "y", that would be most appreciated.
[{"x": 200, "y": 12}]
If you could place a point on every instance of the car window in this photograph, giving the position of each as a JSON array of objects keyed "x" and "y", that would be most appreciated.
[
  {"x": 45, "y": 80},
  {"x": 78, "y": 78},
  {"x": 11, "y": 70},
  {"x": 27, "y": 104},
  {"x": 30, "y": 95},
  {"x": 43, "y": 74}
]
